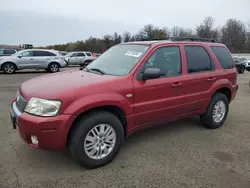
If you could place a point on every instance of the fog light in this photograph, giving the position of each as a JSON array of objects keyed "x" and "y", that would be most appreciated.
[{"x": 34, "y": 140}]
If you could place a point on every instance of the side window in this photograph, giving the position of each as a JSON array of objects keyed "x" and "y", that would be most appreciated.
[
  {"x": 38, "y": 53},
  {"x": 49, "y": 54},
  {"x": 81, "y": 54},
  {"x": 74, "y": 55},
  {"x": 198, "y": 59},
  {"x": 88, "y": 54},
  {"x": 43, "y": 53},
  {"x": 27, "y": 54},
  {"x": 9, "y": 51},
  {"x": 1, "y": 51},
  {"x": 167, "y": 59},
  {"x": 223, "y": 57}
]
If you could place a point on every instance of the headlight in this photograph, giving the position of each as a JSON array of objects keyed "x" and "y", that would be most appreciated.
[{"x": 42, "y": 107}]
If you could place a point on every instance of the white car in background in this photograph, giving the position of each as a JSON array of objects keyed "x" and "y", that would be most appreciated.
[
  {"x": 81, "y": 58},
  {"x": 50, "y": 60},
  {"x": 248, "y": 65}
]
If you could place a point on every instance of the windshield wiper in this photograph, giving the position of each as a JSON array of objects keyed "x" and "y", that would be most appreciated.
[
  {"x": 81, "y": 68},
  {"x": 97, "y": 70}
]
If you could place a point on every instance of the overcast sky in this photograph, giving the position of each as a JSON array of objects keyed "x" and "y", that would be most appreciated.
[{"x": 44, "y": 22}]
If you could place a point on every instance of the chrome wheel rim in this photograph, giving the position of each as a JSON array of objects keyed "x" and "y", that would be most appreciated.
[
  {"x": 54, "y": 67},
  {"x": 9, "y": 68},
  {"x": 100, "y": 141},
  {"x": 219, "y": 111}
]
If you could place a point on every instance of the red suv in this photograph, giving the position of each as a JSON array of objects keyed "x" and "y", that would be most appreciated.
[{"x": 130, "y": 87}]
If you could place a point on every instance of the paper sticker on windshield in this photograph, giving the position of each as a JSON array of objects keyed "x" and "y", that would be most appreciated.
[{"x": 133, "y": 54}]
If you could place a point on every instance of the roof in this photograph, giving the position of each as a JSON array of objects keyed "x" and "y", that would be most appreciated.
[{"x": 159, "y": 42}]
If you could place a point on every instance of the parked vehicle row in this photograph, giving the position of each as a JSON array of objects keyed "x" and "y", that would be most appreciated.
[
  {"x": 81, "y": 58},
  {"x": 241, "y": 64},
  {"x": 7, "y": 51},
  {"x": 50, "y": 60},
  {"x": 134, "y": 85}
]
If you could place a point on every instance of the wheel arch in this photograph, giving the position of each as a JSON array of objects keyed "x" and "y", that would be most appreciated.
[
  {"x": 226, "y": 91},
  {"x": 8, "y": 62},
  {"x": 54, "y": 62},
  {"x": 114, "y": 109}
]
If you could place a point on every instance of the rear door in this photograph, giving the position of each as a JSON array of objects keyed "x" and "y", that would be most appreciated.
[
  {"x": 81, "y": 58},
  {"x": 73, "y": 58},
  {"x": 42, "y": 58},
  {"x": 199, "y": 77}
]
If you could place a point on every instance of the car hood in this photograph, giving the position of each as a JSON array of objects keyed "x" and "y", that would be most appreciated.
[
  {"x": 61, "y": 85},
  {"x": 4, "y": 58}
]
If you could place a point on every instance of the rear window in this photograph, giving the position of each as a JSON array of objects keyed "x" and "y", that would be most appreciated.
[{"x": 223, "y": 56}]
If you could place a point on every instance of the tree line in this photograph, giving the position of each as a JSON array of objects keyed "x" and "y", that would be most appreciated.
[{"x": 234, "y": 34}]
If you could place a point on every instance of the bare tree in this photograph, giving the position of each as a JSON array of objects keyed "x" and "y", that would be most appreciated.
[
  {"x": 161, "y": 34},
  {"x": 207, "y": 30},
  {"x": 148, "y": 32},
  {"x": 181, "y": 32},
  {"x": 126, "y": 36},
  {"x": 116, "y": 38},
  {"x": 233, "y": 34}
]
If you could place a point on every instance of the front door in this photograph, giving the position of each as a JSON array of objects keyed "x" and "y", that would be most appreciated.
[
  {"x": 26, "y": 60},
  {"x": 159, "y": 99}
]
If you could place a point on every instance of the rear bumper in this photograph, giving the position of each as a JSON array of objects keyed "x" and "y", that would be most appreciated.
[
  {"x": 51, "y": 132},
  {"x": 234, "y": 91}
]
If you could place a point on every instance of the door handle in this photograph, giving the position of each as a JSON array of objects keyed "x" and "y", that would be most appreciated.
[
  {"x": 211, "y": 79},
  {"x": 176, "y": 84},
  {"x": 31, "y": 59}
]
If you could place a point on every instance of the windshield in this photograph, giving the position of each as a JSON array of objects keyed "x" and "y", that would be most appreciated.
[{"x": 120, "y": 59}]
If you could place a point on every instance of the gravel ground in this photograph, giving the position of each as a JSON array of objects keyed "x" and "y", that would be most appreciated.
[{"x": 179, "y": 154}]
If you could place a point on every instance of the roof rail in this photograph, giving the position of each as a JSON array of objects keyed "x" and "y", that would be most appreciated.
[{"x": 193, "y": 39}]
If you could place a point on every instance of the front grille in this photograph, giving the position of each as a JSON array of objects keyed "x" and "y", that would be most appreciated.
[{"x": 21, "y": 102}]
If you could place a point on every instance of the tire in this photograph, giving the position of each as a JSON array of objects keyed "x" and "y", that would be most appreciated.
[
  {"x": 54, "y": 67},
  {"x": 9, "y": 68},
  {"x": 242, "y": 70},
  {"x": 77, "y": 140},
  {"x": 207, "y": 118}
]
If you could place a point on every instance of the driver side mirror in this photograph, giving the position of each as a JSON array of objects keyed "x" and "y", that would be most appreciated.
[
  {"x": 151, "y": 73},
  {"x": 20, "y": 56}
]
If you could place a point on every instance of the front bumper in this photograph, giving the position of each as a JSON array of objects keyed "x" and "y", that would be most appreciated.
[
  {"x": 63, "y": 64},
  {"x": 51, "y": 132}
]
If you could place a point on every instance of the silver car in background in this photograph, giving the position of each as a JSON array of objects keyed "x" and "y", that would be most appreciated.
[
  {"x": 81, "y": 58},
  {"x": 50, "y": 60}
]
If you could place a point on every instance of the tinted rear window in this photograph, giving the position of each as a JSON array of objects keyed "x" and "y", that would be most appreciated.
[
  {"x": 223, "y": 56},
  {"x": 198, "y": 59}
]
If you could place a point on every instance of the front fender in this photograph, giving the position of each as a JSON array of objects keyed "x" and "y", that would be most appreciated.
[{"x": 88, "y": 102}]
